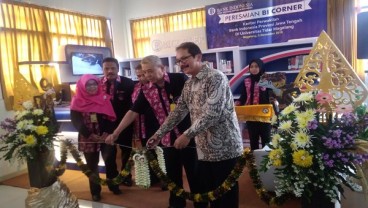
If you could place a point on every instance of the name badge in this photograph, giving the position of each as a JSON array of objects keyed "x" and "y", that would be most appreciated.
[
  {"x": 172, "y": 107},
  {"x": 93, "y": 118}
]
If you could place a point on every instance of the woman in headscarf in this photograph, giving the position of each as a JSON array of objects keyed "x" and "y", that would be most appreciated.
[
  {"x": 252, "y": 94},
  {"x": 90, "y": 109}
]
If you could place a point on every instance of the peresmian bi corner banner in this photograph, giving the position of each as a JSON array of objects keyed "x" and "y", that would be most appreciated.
[{"x": 256, "y": 22}]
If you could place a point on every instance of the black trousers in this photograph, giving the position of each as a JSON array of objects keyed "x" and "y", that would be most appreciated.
[
  {"x": 108, "y": 153},
  {"x": 211, "y": 175},
  {"x": 258, "y": 130},
  {"x": 126, "y": 149},
  {"x": 175, "y": 160}
]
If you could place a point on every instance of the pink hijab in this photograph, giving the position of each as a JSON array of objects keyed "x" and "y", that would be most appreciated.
[{"x": 86, "y": 103}]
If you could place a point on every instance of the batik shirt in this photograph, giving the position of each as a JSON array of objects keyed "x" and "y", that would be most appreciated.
[{"x": 208, "y": 98}]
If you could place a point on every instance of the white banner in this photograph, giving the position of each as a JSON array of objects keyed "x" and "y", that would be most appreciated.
[{"x": 165, "y": 43}]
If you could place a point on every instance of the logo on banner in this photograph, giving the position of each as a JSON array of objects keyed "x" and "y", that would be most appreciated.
[{"x": 211, "y": 11}]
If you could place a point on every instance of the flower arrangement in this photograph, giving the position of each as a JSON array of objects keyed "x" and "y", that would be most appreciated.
[
  {"x": 29, "y": 132},
  {"x": 142, "y": 169},
  {"x": 313, "y": 148}
]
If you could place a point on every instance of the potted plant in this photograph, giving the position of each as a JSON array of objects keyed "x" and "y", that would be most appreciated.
[{"x": 29, "y": 136}]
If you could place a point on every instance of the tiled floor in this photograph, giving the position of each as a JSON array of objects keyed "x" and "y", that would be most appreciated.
[{"x": 15, "y": 197}]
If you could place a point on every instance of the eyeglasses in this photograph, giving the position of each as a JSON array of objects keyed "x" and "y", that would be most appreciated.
[{"x": 182, "y": 60}]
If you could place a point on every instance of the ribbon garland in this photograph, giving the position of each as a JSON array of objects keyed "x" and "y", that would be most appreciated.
[
  {"x": 246, "y": 159},
  {"x": 155, "y": 164}
]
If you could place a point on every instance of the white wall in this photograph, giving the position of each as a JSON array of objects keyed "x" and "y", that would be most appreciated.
[
  {"x": 121, "y": 11},
  {"x": 7, "y": 169}
]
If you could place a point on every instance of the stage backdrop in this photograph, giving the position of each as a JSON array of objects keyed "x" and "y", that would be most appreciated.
[{"x": 255, "y": 22}]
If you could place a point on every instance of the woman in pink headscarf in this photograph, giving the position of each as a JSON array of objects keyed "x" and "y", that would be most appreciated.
[{"x": 90, "y": 111}]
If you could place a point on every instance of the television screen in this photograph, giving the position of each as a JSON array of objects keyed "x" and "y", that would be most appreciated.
[{"x": 86, "y": 63}]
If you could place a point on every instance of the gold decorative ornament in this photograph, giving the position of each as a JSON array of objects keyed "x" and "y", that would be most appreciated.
[
  {"x": 326, "y": 69},
  {"x": 23, "y": 90}
]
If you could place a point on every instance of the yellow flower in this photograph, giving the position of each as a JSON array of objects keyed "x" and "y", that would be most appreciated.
[
  {"x": 197, "y": 197},
  {"x": 211, "y": 196},
  {"x": 293, "y": 146},
  {"x": 41, "y": 130},
  {"x": 226, "y": 186},
  {"x": 275, "y": 157},
  {"x": 302, "y": 139},
  {"x": 288, "y": 109},
  {"x": 171, "y": 186},
  {"x": 124, "y": 173},
  {"x": 179, "y": 192},
  {"x": 302, "y": 158},
  {"x": 30, "y": 140},
  {"x": 277, "y": 163}
]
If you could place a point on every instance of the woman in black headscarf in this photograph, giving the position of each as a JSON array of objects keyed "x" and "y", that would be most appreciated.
[{"x": 252, "y": 94}]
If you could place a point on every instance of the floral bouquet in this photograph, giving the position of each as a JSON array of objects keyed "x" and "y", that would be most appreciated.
[
  {"x": 313, "y": 149},
  {"x": 30, "y": 132}
]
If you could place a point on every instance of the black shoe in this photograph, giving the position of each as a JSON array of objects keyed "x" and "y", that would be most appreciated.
[
  {"x": 96, "y": 197},
  {"x": 116, "y": 192},
  {"x": 164, "y": 187},
  {"x": 128, "y": 182}
]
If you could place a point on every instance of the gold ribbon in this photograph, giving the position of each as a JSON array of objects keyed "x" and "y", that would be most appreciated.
[{"x": 261, "y": 113}]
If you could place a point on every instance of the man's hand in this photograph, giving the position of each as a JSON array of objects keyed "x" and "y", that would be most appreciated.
[
  {"x": 181, "y": 142},
  {"x": 152, "y": 142},
  {"x": 110, "y": 139}
]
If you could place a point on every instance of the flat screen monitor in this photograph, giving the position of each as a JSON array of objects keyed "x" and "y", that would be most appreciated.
[{"x": 87, "y": 63}]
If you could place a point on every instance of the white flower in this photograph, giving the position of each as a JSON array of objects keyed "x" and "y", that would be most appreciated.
[
  {"x": 160, "y": 158},
  {"x": 273, "y": 120},
  {"x": 289, "y": 109},
  {"x": 304, "y": 97},
  {"x": 142, "y": 177},
  {"x": 19, "y": 114},
  {"x": 302, "y": 139},
  {"x": 27, "y": 105},
  {"x": 285, "y": 126},
  {"x": 275, "y": 140},
  {"x": 21, "y": 125},
  {"x": 38, "y": 112}
]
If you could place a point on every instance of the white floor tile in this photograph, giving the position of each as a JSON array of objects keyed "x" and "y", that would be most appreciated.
[{"x": 15, "y": 197}]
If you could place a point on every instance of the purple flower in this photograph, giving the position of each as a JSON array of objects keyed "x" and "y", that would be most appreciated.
[
  {"x": 312, "y": 124},
  {"x": 336, "y": 133},
  {"x": 329, "y": 163}
]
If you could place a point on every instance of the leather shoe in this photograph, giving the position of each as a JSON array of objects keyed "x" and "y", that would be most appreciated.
[
  {"x": 128, "y": 182},
  {"x": 164, "y": 187},
  {"x": 116, "y": 191},
  {"x": 96, "y": 197}
]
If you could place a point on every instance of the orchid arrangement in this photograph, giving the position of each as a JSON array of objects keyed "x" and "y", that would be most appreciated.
[
  {"x": 313, "y": 148},
  {"x": 29, "y": 132}
]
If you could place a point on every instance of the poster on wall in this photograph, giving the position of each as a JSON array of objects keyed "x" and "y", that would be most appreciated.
[{"x": 256, "y": 22}]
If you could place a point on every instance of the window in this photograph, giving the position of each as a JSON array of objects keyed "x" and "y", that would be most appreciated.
[
  {"x": 142, "y": 29},
  {"x": 34, "y": 34}
]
